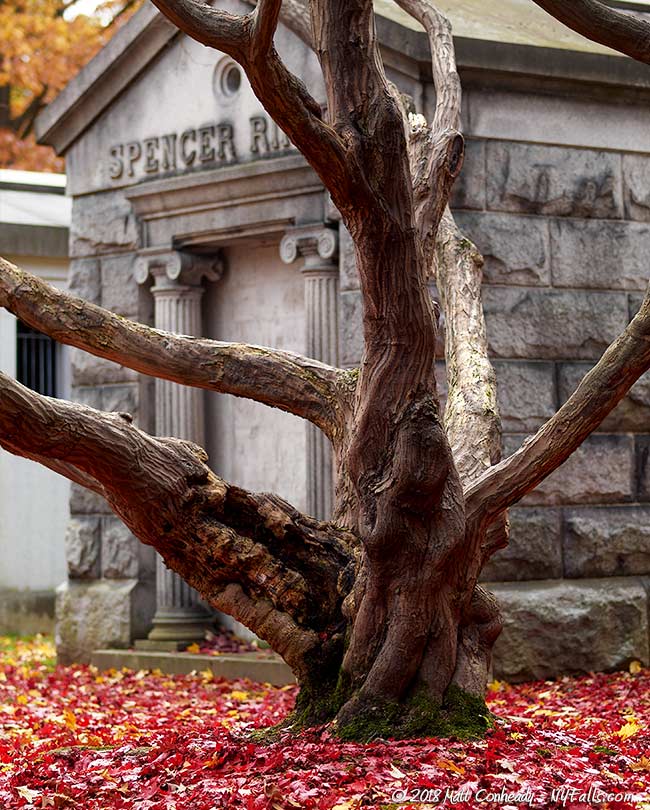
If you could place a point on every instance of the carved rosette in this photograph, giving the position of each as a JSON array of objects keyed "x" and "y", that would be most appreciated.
[{"x": 317, "y": 246}]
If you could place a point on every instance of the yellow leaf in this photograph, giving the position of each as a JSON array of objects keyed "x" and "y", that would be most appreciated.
[
  {"x": 193, "y": 648},
  {"x": 642, "y": 764},
  {"x": 628, "y": 730},
  {"x": 446, "y": 765},
  {"x": 22, "y": 699},
  {"x": 635, "y": 667},
  {"x": 70, "y": 720},
  {"x": 238, "y": 695}
]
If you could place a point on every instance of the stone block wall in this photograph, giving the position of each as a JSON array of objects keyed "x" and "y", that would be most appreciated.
[
  {"x": 565, "y": 233},
  {"x": 566, "y": 236},
  {"x": 109, "y": 597}
]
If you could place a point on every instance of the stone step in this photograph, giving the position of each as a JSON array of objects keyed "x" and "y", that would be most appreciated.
[{"x": 265, "y": 669}]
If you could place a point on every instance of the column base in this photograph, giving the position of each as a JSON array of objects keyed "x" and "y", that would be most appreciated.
[
  {"x": 151, "y": 645},
  {"x": 175, "y": 629}
]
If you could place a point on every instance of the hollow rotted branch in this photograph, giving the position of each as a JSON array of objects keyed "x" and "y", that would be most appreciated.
[
  {"x": 283, "y": 574},
  {"x": 599, "y": 392},
  {"x": 283, "y": 380},
  {"x": 615, "y": 29}
]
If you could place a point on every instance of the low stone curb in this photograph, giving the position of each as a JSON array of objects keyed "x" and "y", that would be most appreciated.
[{"x": 232, "y": 667}]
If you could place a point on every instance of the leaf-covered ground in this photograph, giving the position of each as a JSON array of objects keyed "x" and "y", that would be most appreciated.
[{"x": 72, "y": 737}]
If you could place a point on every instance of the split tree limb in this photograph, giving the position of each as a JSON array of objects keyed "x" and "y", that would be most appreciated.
[
  {"x": 618, "y": 30},
  {"x": 280, "y": 572},
  {"x": 600, "y": 391},
  {"x": 283, "y": 380}
]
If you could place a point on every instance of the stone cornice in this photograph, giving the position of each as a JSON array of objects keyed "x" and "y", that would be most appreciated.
[{"x": 254, "y": 200}]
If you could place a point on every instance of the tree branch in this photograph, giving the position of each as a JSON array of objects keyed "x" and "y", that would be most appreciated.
[
  {"x": 265, "y": 22},
  {"x": 472, "y": 418},
  {"x": 436, "y": 151},
  {"x": 443, "y": 62},
  {"x": 213, "y": 27},
  {"x": 616, "y": 29},
  {"x": 598, "y": 393},
  {"x": 281, "y": 573},
  {"x": 295, "y": 15},
  {"x": 68, "y": 471},
  {"x": 282, "y": 380}
]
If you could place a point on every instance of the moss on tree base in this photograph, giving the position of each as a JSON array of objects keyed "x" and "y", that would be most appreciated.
[{"x": 461, "y": 715}]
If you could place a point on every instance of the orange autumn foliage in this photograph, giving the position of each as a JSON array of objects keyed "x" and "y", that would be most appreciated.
[{"x": 41, "y": 49}]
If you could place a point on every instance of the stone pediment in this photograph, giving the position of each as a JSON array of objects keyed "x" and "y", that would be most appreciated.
[{"x": 190, "y": 109}]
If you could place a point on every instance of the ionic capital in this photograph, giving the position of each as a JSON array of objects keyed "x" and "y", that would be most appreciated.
[
  {"x": 175, "y": 268},
  {"x": 317, "y": 244}
]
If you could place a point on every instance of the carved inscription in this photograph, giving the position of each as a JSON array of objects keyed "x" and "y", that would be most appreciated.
[{"x": 209, "y": 146}]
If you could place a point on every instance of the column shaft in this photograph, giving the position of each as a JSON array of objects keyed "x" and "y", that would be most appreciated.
[
  {"x": 321, "y": 311},
  {"x": 180, "y": 617}
]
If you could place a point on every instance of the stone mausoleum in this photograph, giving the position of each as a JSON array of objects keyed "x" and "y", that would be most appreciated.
[{"x": 192, "y": 211}]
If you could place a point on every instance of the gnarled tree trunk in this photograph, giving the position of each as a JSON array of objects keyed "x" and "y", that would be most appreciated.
[{"x": 377, "y": 612}]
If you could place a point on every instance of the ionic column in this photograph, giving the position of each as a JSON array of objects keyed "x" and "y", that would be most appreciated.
[
  {"x": 318, "y": 248},
  {"x": 179, "y": 411}
]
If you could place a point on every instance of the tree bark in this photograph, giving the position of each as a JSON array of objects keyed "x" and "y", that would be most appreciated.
[{"x": 378, "y": 612}]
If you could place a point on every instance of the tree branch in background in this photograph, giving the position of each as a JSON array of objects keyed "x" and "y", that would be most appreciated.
[
  {"x": 436, "y": 149},
  {"x": 594, "y": 20},
  {"x": 282, "y": 380}
]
